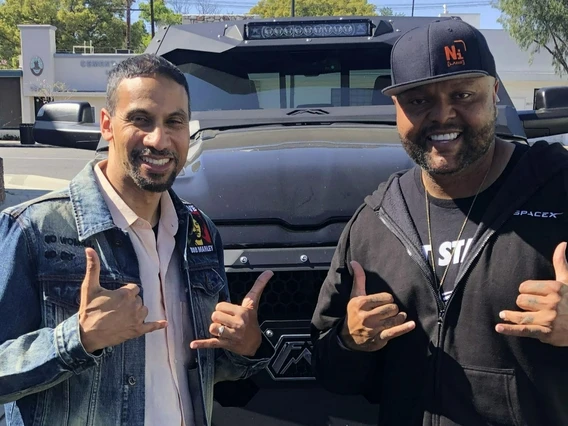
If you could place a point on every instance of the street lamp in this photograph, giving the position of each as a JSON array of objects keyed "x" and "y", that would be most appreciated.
[{"x": 412, "y": 7}]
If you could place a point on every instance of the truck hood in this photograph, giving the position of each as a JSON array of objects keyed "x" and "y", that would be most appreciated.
[{"x": 300, "y": 178}]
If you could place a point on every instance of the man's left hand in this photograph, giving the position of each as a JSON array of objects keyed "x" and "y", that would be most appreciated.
[
  {"x": 236, "y": 327},
  {"x": 546, "y": 307}
]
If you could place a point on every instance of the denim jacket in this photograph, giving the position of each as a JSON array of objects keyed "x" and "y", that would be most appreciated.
[{"x": 46, "y": 376}]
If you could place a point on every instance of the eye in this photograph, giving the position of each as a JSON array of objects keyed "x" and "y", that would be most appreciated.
[
  {"x": 463, "y": 95},
  {"x": 417, "y": 102},
  {"x": 139, "y": 120}
]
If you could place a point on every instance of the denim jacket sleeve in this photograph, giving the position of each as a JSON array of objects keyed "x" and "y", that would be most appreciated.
[
  {"x": 32, "y": 359},
  {"x": 228, "y": 365}
]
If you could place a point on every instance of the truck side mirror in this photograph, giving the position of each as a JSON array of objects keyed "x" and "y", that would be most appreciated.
[
  {"x": 550, "y": 98},
  {"x": 67, "y": 123},
  {"x": 549, "y": 115},
  {"x": 75, "y": 112}
]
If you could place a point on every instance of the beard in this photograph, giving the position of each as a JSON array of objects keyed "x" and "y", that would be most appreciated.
[
  {"x": 475, "y": 144},
  {"x": 153, "y": 182}
]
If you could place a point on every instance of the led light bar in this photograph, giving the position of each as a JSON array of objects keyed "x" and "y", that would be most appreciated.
[{"x": 308, "y": 29}]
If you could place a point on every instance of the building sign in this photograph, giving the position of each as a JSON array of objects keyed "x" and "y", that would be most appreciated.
[
  {"x": 36, "y": 66},
  {"x": 105, "y": 64},
  {"x": 97, "y": 64}
]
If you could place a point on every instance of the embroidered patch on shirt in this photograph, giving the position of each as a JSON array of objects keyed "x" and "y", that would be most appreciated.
[{"x": 199, "y": 236}]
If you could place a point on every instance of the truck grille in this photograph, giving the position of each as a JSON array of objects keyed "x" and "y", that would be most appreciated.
[{"x": 289, "y": 295}]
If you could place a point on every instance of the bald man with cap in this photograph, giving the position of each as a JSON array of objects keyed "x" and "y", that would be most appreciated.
[{"x": 447, "y": 297}]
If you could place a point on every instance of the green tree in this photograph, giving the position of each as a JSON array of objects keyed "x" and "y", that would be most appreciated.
[
  {"x": 163, "y": 15},
  {"x": 387, "y": 11},
  {"x": 538, "y": 24},
  {"x": 281, "y": 8},
  {"x": 100, "y": 22}
]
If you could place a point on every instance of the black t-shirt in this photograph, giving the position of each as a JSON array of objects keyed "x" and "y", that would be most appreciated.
[{"x": 447, "y": 218}]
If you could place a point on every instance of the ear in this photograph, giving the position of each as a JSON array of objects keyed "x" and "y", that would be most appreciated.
[
  {"x": 106, "y": 125},
  {"x": 397, "y": 107},
  {"x": 495, "y": 91}
]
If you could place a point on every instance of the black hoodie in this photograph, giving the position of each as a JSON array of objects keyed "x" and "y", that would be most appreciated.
[{"x": 453, "y": 368}]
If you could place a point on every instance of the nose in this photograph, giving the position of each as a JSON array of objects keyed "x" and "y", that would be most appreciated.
[
  {"x": 442, "y": 111},
  {"x": 157, "y": 138}
]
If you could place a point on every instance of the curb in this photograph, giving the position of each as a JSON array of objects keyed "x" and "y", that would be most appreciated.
[
  {"x": 33, "y": 182},
  {"x": 16, "y": 144}
]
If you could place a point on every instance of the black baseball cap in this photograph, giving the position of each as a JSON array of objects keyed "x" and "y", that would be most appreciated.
[{"x": 442, "y": 50}]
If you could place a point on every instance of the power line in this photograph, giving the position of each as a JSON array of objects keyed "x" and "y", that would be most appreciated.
[
  {"x": 243, "y": 5},
  {"x": 437, "y": 5},
  {"x": 392, "y": 6},
  {"x": 247, "y": 4}
]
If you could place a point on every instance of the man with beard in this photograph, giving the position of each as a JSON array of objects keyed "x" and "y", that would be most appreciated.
[
  {"x": 107, "y": 317},
  {"x": 447, "y": 297}
]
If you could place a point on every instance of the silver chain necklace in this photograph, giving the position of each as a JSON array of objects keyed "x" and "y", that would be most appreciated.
[{"x": 432, "y": 262}]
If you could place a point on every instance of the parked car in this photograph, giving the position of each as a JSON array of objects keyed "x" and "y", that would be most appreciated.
[{"x": 289, "y": 132}]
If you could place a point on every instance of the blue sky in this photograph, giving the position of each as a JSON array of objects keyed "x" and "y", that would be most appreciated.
[{"x": 489, "y": 14}]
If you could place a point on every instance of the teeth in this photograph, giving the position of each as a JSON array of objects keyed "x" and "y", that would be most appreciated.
[
  {"x": 156, "y": 162},
  {"x": 445, "y": 137}
]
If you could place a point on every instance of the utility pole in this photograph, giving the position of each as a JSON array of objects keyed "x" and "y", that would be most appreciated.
[
  {"x": 412, "y": 8},
  {"x": 152, "y": 16},
  {"x": 293, "y": 8},
  {"x": 128, "y": 37}
]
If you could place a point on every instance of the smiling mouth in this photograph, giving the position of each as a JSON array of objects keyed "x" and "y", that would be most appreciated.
[
  {"x": 155, "y": 161},
  {"x": 444, "y": 137}
]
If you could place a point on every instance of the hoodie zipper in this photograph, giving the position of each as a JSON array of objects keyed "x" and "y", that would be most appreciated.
[
  {"x": 442, "y": 307},
  {"x": 479, "y": 248},
  {"x": 393, "y": 227},
  {"x": 416, "y": 255}
]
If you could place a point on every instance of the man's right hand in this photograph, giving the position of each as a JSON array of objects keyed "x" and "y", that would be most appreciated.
[
  {"x": 110, "y": 317},
  {"x": 372, "y": 320}
]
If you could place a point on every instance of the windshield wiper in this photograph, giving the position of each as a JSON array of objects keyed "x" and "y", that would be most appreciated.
[{"x": 315, "y": 111}]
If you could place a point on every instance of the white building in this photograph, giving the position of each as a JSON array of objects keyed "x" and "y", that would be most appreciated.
[{"x": 47, "y": 73}]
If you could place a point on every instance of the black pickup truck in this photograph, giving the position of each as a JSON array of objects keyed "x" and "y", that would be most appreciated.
[{"x": 289, "y": 132}]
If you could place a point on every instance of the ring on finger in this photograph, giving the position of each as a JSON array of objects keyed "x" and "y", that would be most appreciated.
[{"x": 221, "y": 330}]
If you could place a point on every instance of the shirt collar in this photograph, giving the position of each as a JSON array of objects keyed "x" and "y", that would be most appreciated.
[{"x": 123, "y": 216}]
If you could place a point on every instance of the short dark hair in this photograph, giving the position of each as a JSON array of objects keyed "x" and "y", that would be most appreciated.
[{"x": 144, "y": 65}]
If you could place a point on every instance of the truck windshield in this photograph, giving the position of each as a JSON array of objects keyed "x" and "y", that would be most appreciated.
[{"x": 247, "y": 79}]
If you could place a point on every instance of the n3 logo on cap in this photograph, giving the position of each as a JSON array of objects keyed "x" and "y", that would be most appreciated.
[{"x": 454, "y": 53}]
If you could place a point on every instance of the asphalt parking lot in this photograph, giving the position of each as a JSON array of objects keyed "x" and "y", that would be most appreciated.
[{"x": 33, "y": 170}]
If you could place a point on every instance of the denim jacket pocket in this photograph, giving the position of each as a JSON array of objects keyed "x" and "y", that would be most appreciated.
[
  {"x": 206, "y": 290},
  {"x": 62, "y": 297},
  {"x": 207, "y": 280}
]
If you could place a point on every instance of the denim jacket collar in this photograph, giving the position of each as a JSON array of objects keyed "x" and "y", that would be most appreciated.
[{"x": 92, "y": 215}]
